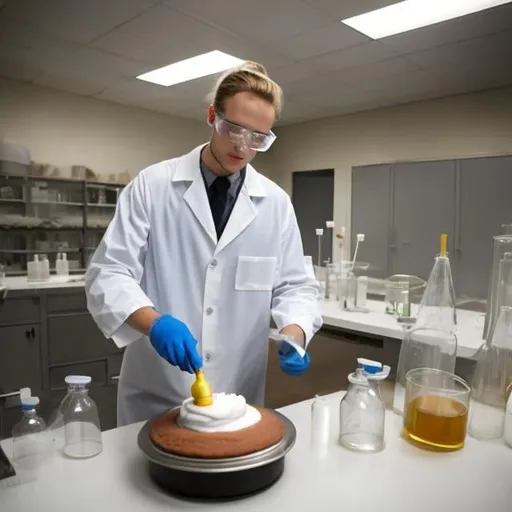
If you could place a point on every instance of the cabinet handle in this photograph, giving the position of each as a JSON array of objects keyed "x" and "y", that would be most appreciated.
[
  {"x": 30, "y": 333},
  {"x": 114, "y": 378}
]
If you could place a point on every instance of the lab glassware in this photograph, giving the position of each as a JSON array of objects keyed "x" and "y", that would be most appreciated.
[
  {"x": 436, "y": 409},
  {"x": 82, "y": 432},
  {"x": 493, "y": 374},
  {"x": 432, "y": 342},
  {"x": 2, "y": 275},
  {"x": 353, "y": 285},
  {"x": 502, "y": 248},
  {"x": 362, "y": 408},
  {"x": 319, "y": 235},
  {"x": 32, "y": 445},
  {"x": 320, "y": 421}
]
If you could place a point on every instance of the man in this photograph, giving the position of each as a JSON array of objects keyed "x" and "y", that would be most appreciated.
[{"x": 202, "y": 247}]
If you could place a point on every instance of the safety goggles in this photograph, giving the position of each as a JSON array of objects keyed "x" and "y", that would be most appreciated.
[{"x": 247, "y": 139}]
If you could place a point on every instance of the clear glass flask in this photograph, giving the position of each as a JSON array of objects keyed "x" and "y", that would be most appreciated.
[
  {"x": 82, "y": 431},
  {"x": 431, "y": 343},
  {"x": 362, "y": 408},
  {"x": 502, "y": 250},
  {"x": 493, "y": 373},
  {"x": 32, "y": 444}
]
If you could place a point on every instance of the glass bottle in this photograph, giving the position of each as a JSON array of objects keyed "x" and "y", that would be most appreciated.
[
  {"x": 56, "y": 421},
  {"x": 431, "y": 343},
  {"x": 493, "y": 374},
  {"x": 32, "y": 445},
  {"x": 362, "y": 409},
  {"x": 82, "y": 431}
]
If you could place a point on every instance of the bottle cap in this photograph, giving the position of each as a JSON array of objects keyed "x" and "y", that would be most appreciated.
[
  {"x": 369, "y": 366},
  {"x": 77, "y": 379},
  {"x": 29, "y": 402}
]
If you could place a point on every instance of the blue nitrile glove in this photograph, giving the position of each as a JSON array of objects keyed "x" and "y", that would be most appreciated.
[
  {"x": 291, "y": 362},
  {"x": 175, "y": 343}
]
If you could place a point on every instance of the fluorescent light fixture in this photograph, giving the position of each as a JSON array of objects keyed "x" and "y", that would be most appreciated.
[
  {"x": 190, "y": 69},
  {"x": 413, "y": 14}
]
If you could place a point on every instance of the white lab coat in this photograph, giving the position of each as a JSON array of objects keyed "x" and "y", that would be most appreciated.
[{"x": 161, "y": 250}]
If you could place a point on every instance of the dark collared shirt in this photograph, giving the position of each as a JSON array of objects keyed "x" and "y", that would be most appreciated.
[{"x": 236, "y": 181}]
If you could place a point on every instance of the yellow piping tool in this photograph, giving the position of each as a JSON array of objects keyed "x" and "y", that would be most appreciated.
[
  {"x": 201, "y": 391},
  {"x": 444, "y": 239}
]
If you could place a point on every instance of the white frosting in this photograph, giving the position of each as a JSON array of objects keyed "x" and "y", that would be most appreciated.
[{"x": 228, "y": 412}]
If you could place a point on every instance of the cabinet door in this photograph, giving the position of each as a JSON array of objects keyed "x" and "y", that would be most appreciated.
[
  {"x": 20, "y": 358},
  {"x": 370, "y": 215},
  {"x": 485, "y": 204},
  {"x": 423, "y": 208},
  {"x": 20, "y": 366}
]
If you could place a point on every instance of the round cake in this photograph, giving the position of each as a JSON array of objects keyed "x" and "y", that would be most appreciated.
[{"x": 227, "y": 428}]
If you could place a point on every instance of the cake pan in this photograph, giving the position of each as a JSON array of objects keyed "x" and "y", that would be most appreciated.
[{"x": 217, "y": 479}]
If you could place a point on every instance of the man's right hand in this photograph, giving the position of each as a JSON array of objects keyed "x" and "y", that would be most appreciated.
[{"x": 174, "y": 342}]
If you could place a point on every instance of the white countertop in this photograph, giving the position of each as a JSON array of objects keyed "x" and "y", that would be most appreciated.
[
  {"x": 402, "y": 478},
  {"x": 21, "y": 283},
  {"x": 470, "y": 324},
  {"x": 376, "y": 321}
]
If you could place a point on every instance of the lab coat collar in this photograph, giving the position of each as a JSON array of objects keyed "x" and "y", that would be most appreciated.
[
  {"x": 244, "y": 210},
  {"x": 188, "y": 170}
]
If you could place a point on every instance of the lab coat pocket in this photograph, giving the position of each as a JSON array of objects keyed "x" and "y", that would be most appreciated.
[{"x": 255, "y": 273}]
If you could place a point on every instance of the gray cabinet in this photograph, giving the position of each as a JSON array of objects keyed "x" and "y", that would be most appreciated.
[
  {"x": 423, "y": 208},
  {"x": 44, "y": 336},
  {"x": 370, "y": 215},
  {"x": 467, "y": 199},
  {"x": 20, "y": 366},
  {"x": 485, "y": 204}
]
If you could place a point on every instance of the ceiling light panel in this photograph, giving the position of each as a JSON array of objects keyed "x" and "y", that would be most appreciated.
[
  {"x": 412, "y": 14},
  {"x": 190, "y": 69}
]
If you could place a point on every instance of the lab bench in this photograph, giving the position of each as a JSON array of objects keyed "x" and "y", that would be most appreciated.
[
  {"x": 328, "y": 477},
  {"x": 46, "y": 334}
]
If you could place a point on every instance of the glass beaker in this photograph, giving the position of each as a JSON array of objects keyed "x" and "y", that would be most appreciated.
[
  {"x": 423, "y": 348},
  {"x": 82, "y": 432},
  {"x": 502, "y": 246},
  {"x": 353, "y": 285},
  {"x": 436, "y": 409},
  {"x": 397, "y": 298},
  {"x": 331, "y": 281}
]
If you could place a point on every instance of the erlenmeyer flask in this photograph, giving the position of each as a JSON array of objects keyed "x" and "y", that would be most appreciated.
[
  {"x": 502, "y": 247},
  {"x": 493, "y": 374},
  {"x": 432, "y": 342}
]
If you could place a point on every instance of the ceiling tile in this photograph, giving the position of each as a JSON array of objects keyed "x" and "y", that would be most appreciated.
[
  {"x": 162, "y": 36},
  {"x": 98, "y": 62},
  {"x": 360, "y": 55},
  {"x": 82, "y": 22},
  {"x": 493, "y": 47},
  {"x": 265, "y": 21},
  {"x": 465, "y": 27},
  {"x": 368, "y": 77},
  {"x": 132, "y": 89},
  {"x": 76, "y": 81},
  {"x": 43, "y": 44},
  {"x": 328, "y": 38},
  {"x": 19, "y": 63},
  {"x": 296, "y": 72},
  {"x": 346, "y": 8}
]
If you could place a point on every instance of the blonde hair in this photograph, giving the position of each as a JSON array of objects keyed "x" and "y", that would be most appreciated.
[{"x": 248, "y": 77}]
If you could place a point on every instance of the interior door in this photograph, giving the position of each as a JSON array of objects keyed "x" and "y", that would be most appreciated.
[
  {"x": 423, "y": 208},
  {"x": 313, "y": 200}
]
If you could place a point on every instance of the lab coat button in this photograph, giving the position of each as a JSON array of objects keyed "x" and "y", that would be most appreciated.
[
  {"x": 213, "y": 263},
  {"x": 209, "y": 311},
  {"x": 207, "y": 356}
]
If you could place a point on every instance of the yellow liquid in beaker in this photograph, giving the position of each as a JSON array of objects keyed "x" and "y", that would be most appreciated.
[{"x": 436, "y": 422}]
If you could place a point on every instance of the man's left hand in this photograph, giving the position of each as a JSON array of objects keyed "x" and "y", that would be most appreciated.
[{"x": 290, "y": 361}]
